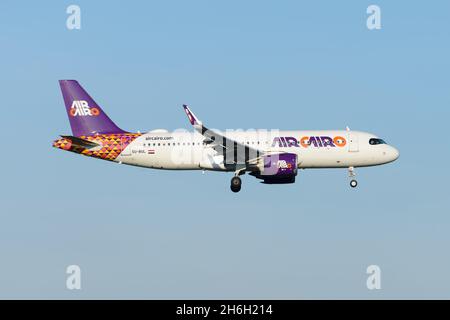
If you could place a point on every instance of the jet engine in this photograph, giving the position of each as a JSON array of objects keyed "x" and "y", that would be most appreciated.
[{"x": 277, "y": 168}]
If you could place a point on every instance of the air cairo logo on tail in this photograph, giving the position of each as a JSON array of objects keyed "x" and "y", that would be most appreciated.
[{"x": 81, "y": 108}]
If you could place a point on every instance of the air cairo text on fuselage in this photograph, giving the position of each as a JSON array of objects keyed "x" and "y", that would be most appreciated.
[{"x": 305, "y": 142}]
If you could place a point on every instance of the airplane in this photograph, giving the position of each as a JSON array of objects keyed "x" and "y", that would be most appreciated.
[{"x": 273, "y": 156}]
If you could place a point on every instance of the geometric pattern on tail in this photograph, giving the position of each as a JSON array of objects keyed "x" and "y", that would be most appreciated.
[{"x": 111, "y": 145}]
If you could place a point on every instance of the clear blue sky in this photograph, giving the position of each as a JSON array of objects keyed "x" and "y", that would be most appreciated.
[{"x": 138, "y": 233}]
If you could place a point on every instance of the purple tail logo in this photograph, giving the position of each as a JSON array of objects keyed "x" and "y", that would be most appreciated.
[
  {"x": 81, "y": 108},
  {"x": 85, "y": 115}
]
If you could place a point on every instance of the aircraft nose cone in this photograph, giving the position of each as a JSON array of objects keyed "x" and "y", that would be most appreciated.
[{"x": 394, "y": 154}]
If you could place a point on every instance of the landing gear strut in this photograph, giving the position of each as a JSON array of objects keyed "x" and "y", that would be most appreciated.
[
  {"x": 236, "y": 184},
  {"x": 351, "y": 174}
]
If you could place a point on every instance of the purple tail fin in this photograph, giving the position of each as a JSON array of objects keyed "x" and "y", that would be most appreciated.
[{"x": 85, "y": 116}]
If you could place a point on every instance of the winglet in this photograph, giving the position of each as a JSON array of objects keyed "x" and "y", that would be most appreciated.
[{"x": 192, "y": 118}]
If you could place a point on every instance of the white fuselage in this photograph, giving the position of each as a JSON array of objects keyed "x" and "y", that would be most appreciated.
[{"x": 161, "y": 149}]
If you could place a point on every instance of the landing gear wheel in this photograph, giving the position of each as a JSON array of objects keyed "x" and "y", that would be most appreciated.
[
  {"x": 236, "y": 184},
  {"x": 353, "y": 183}
]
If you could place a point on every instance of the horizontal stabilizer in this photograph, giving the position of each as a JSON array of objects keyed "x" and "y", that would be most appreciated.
[{"x": 81, "y": 142}]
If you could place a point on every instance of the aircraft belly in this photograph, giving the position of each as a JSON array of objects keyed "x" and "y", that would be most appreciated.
[
  {"x": 323, "y": 159},
  {"x": 163, "y": 159}
]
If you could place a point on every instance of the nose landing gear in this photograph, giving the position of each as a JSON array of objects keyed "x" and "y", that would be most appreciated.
[{"x": 351, "y": 174}]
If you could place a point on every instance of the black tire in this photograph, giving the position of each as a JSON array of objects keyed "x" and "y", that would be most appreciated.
[
  {"x": 235, "y": 189},
  {"x": 353, "y": 183},
  {"x": 236, "y": 184}
]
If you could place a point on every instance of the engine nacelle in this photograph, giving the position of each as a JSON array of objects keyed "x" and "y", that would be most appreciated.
[{"x": 278, "y": 168}]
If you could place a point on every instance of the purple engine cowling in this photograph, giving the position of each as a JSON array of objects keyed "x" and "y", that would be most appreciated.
[{"x": 279, "y": 168}]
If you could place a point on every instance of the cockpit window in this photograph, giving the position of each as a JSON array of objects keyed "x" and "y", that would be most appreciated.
[{"x": 374, "y": 141}]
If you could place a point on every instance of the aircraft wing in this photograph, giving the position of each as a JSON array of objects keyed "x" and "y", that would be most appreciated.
[{"x": 235, "y": 153}]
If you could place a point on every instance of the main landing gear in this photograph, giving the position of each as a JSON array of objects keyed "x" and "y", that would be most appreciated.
[
  {"x": 351, "y": 174},
  {"x": 236, "y": 184}
]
